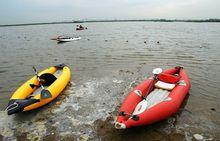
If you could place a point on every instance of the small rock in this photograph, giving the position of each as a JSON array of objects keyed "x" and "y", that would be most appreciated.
[
  {"x": 58, "y": 103},
  {"x": 198, "y": 137},
  {"x": 84, "y": 137}
]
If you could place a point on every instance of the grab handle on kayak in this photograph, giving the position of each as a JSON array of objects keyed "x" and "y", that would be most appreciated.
[
  {"x": 18, "y": 105},
  {"x": 60, "y": 66},
  {"x": 12, "y": 107},
  {"x": 134, "y": 117}
]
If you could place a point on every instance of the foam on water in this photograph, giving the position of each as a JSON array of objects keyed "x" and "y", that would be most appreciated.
[
  {"x": 10, "y": 125},
  {"x": 86, "y": 103}
]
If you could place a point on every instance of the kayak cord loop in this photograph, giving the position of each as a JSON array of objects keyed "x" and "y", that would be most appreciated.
[
  {"x": 18, "y": 105},
  {"x": 134, "y": 117},
  {"x": 12, "y": 106}
]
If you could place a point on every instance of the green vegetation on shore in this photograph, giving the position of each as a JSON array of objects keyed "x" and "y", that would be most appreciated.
[{"x": 86, "y": 21}]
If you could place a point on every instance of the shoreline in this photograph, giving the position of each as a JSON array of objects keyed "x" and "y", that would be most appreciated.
[{"x": 96, "y": 21}]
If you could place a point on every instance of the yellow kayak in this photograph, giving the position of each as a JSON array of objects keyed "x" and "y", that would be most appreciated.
[{"x": 28, "y": 96}]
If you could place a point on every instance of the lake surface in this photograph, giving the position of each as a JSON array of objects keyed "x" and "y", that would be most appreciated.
[{"x": 109, "y": 60}]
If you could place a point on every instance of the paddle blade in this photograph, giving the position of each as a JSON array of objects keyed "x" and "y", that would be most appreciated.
[
  {"x": 157, "y": 71},
  {"x": 45, "y": 94}
]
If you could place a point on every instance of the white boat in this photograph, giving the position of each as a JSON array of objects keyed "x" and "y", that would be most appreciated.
[{"x": 67, "y": 38}]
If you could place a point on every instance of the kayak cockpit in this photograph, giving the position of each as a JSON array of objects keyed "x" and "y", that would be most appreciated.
[{"x": 154, "y": 98}]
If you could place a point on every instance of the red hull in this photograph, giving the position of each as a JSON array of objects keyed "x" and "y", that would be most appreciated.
[{"x": 159, "y": 111}]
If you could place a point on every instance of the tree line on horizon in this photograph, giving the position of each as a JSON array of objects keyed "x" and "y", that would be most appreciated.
[{"x": 147, "y": 20}]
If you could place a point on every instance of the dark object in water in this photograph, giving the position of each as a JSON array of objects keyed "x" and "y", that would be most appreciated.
[
  {"x": 80, "y": 27},
  {"x": 158, "y": 42},
  {"x": 213, "y": 109}
]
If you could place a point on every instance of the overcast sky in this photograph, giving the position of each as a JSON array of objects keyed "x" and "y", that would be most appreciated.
[{"x": 26, "y": 11}]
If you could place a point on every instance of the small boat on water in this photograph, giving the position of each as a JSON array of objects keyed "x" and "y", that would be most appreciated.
[
  {"x": 80, "y": 27},
  {"x": 68, "y": 39},
  {"x": 63, "y": 38},
  {"x": 155, "y": 99},
  {"x": 34, "y": 93}
]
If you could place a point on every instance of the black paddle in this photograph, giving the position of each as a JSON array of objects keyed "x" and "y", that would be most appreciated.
[
  {"x": 44, "y": 93},
  {"x": 155, "y": 72}
]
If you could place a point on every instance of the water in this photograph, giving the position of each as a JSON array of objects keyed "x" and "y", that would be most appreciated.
[{"x": 109, "y": 60}]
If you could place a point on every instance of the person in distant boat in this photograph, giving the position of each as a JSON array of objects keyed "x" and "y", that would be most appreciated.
[{"x": 80, "y": 26}]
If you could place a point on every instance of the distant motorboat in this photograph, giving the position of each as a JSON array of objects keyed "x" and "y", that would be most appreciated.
[
  {"x": 80, "y": 27},
  {"x": 66, "y": 38}
]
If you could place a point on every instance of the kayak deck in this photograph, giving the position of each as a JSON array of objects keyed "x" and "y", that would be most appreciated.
[{"x": 155, "y": 97}]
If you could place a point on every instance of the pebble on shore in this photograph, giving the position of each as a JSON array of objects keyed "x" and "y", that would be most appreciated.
[{"x": 198, "y": 137}]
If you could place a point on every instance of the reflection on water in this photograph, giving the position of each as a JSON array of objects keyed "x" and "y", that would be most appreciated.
[{"x": 106, "y": 63}]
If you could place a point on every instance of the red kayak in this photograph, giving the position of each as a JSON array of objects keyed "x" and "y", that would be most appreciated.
[{"x": 155, "y": 99}]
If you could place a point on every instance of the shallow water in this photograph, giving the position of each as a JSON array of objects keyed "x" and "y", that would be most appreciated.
[{"x": 109, "y": 60}]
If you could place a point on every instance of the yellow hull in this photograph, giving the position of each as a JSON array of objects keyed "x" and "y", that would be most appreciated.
[{"x": 55, "y": 88}]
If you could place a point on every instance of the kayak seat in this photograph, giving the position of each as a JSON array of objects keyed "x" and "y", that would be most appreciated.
[
  {"x": 167, "y": 81},
  {"x": 48, "y": 79},
  {"x": 164, "y": 85},
  {"x": 168, "y": 78}
]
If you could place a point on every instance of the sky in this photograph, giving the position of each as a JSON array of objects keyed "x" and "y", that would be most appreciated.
[{"x": 29, "y": 11}]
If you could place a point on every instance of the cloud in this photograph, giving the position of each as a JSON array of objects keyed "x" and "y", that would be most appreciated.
[{"x": 56, "y": 10}]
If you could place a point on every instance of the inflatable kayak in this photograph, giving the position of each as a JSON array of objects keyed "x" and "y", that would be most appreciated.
[
  {"x": 155, "y": 99},
  {"x": 29, "y": 96}
]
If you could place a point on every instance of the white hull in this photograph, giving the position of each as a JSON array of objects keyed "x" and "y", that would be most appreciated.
[{"x": 68, "y": 39}]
